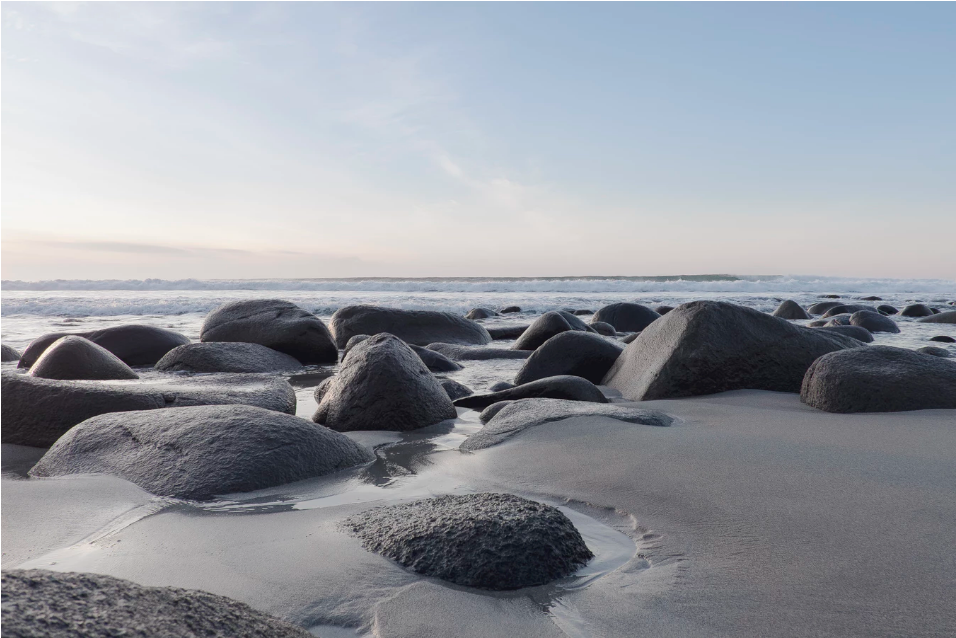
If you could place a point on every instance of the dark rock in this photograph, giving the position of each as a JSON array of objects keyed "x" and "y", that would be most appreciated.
[
  {"x": 471, "y": 353},
  {"x": 605, "y": 329},
  {"x": 226, "y": 357},
  {"x": 488, "y": 541},
  {"x": 570, "y": 353},
  {"x": 275, "y": 324},
  {"x": 790, "y": 309},
  {"x": 416, "y": 327},
  {"x": 705, "y": 347},
  {"x": 321, "y": 389},
  {"x": 71, "y": 358},
  {"x": 822, "y": 307},
  {"x": 873, "y": 321},
  {"x": 435, "y": 361},
  {"x": 203, "y": 451},
  {"x": 943, "y": 317},
  {"x": 506, "y": 332},
  {"x": 663, "y": 310},
  {"x": 829, "y": 296},
  {"x": 871, "y": 298},
  {"x": 543, "y": 328},
  {"x": 844, "y": 309},
  {"x": 509, "y": 309},
  {"x": 352, "y": 342},
  {"x": 481, "y": 313},
  {"x": 575, "y": 322},
  {"x": 933, "y": 350},
  {"x": 38, "y": 411},
  {"x": 135, "y": 345},
  {"x": 501, "y": 385},
  {"x": 383, "y": 385},
  {"x": 454, "y": 389},
  {"x": 513, "y": 417},
  {"x": 858, "y": 333},
  {"x": 879, "y": 379},
  {"x": 886, "y": 309},
  {"x": 70, "y": 605},
  {"x": 560, "y": 387},
  {"x": 838, "y": 320},
  {"x": 631, "y": 337},
  {"x": 916, "y": 310},
  {"x": 9, "y": 353},
  {"x": 583, "y": 312},
  {"x": 943, "y": 339},
  {"x": 817, "y": 323},
  {"x": 626, "y": 317}
]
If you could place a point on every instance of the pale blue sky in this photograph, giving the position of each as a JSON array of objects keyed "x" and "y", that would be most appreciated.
[{"x": 324, "y": 140}]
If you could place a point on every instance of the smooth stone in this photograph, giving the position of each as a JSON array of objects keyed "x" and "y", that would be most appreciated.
[
  {"x": 822, "y": 307},
  {"x": 414, "y": 327},
  {"x": 838, "y": 320},
  {"x": 790, "y": 309},
  {"x": 505, "y": 419},
  {"x": 72, "y": 605},
  {"x": 476, "y": 353},
  {"x": 135, "y": 345},
  {"x": 663, "y": 310},
  {"x": 871, "y": 298},
  {"x": 481, "y": 313},
  {"x": 575, "y": 321},
  {"x": 73, "y": 358},
  {"x": 933, "y": 350},
  {"x": 631, "y": 337},
  {"x": 873, "y": 321},
  {"x": 886, "y": 309},
  {"x": 435, "y": 361},
  {"x": 558, "y": 387},
  {"x": 509, "y": 309},
  {"x": 506, "y": 332},
  {"x": 583, "y": 312},
  {"x": 704, "y": 347},
  {"x": 605, "y": 329},
  {"x": 857, "y": 332},
  {"x": 943, "y": 339},
  {"x": 273, "y": 323},
  {"x": 879, "y": 379},
  {"x": 488, "y": 541},
  {"x": 570, "y": 353},
  {"x": 9, "y": 353},
  {"x": 201, "y": 451},
  {"x": 499, "y": 386},
  {"x": 626, "y": 317},
  {"x": 224, "y": 356},
  {"x": 944, "y": 317},
  {"x": 383, "y": 385},
  {"x": 829, "y": 296},
  {"x": 542, "y": 329},
  {"x": 818, "y": 323},
  {"x": 37, "y": 411},
  {"x": 916, "y": 310},
  {"x": 844, "y": 309},
  {"x": 454, "y": 389}
]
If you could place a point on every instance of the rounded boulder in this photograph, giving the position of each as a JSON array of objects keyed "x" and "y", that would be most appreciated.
[
  {"x": 626, "y": 317},
  {"x": 570, "y": 353},
  {"x": 72, "y": 358},
  {"x": 873, "y": 321},
  {"x": 417, "y": 327},
  {"x": 791, "y": 310},
  {"x": 226, "y": 357}
]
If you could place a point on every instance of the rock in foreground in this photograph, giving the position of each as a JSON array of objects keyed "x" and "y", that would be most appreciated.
[
  {"x": 71, "y": 358},
  {"x": 201, "y": 451},
  {"x": 135, "y": 345},
  {"x": 879, "y": 379},
  {"x": 66, "y": 605},
  {"x": 566, "y": 387},
  {"x": 226, "y": 357},
  {"x": 575, "y": 353},
  {"x": 488, "y": 541},
  {"x": 417, "y": 327}
]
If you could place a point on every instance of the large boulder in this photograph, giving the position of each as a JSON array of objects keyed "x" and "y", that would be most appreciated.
[
  {"x": 858, "y": 333},
  {"x": 879, "y": 379},
  {"x": 506, "y": 332},
  {"x": 790, "y": 309},
  {"x": 507, "y": 418},
  {"x": 201, "y": 451},
  {"x": 566, "y": 387},
  {"x": 705, "y": 347},
  {"x": 944, "y": 317},
  {"x": 873, "y": 321},
  {"x": 476, "y": 353},
  {"x": 37, "y": 412},
  {"x": 135, "y": 345},
  {"x": 542, "y": 329},
  {"x": 626, "y": 317},
  {"x": 488, "y": 541},
  {"x": 71, "y": 605},
  {"x": 571, "y": 353},
  {"x": 383, "y": 385},
  {"x": 417, "y": 327},
  {"x": 916, "y": 310},
  {"x": 481, "y": 313},
  {"x": 223, "y": 356},
  {"x": 823, "y": 306},
  {"x": 9, "y": 353},
  {"x": 78, "y": 358},
  {"x": 275, "y": 324}
]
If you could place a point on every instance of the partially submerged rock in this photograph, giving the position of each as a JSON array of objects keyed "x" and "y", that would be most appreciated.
[
  {"x": 943, "y": 339},
  {"x": 663, "y": 310},
  {"x": 488, "y": 541},
  {"x": 934, "y": 351},
  {"x": 860, "y": 334},
  {"x": 542, "y": 329},
  {"x": 499, "y": 333},
  {"x": 823, "y": 306},
  {"x": 916, "y": 310},
  {"x": 630, "y": 338},
  {"x": 499, "y": 386},
  {"x": 509, "y": 309},
  {"x": 37, "y": 411},
  {"x": 791, "y": 310},
  {"x": 74, "y": 605},
  {"x": 570, "y": 353},
  {"x": 481, "y": 313},
  {"x": 476, "y": 353},
  {"x": 455, "y": 390},
  {"x": 705, "y": 347},
  {"x": 886, "y": 309},
  {"x": 626, "y": 317},
  {"x": 226, "y": 357},
  {"x": 435, "y": 361},
  {"x": 135, "y": 345},
  {"x": 202, "y": 451},
  {"x": 9, "y": 353},
  {"x": 844, "y": 309},
  {"x": 383, "y": 385},
  {"x": 508, "y": 418},
  {"x": 559, "y": 387},
  {"x": 71, "y": 358},
  {"x": 879, "y": 379},
  {"x": 944, "y": 317},
  {"x": 273, "y": 323},
  {"x": 602, "y": 328},
  {"x": 416, "y": 327},
  {"x": 873, "y": 321}
]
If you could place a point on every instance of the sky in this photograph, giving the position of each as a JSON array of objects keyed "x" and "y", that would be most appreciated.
[{"x": 263, "y": 140}]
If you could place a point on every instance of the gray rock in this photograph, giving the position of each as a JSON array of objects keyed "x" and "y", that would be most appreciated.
[
  {"x": 321, "y": 389},
  {"x": 202, "y": 451},
  {"x": 791, "y": 310},
  {"x": 871, "y": 298},
  {"x": 857, "y": 332},
  {"x": 916, "y": 310},
  {"x": 575, "y": 321},
  {"x": 513, "y": 417},
  {"x": 570, "y": 353},
  {"x": 71, "y": 358},
  {"x": 501, "y": 385},
  {"x": 542, "y": 329},
  {"x": 844, "y": 309},
  {"x": 838, "y": 320},
  {"x": 705, "y": 347},
  {"x": 435, "y": 361},
  {"x": 38, "y": 411},
  {"x": 481, "y": 313},
  {"x": 943, "y": 339},
  {"x": 583, "y": 312},
  {"x": 416, "y": 327},
  {"x": 663, "y": 310},
  {"x": 879, "y": 379},
  {"x": 9, "y": 353},
  {"x": 817, "y": 323},
  {"x": 69, "y": 605},
  {"x": 275, "y": 324},
  {"x": 509, "y": 309},
  {"x": 873, "y": 321},
  {"x": 226, "y": 357},
  {"x": 602, "y": 328},
  {"x": 631, "y": 337},
  {"x": 455, "y": 390},
  {"x": 822, "y": 307},
  {"x": 829, "y": 296},
  {"x": 135, "y": 345},
  {"x": 559, "y": 387},
  {"x": 933, "y": 350},
  {"x": 943, "y": 317},
  {"x": 626, "y": 317},
  {"x": 383, "y": 385},
  {"x": 886, "y": 309},
  {"x": 506, "y": 332},
  {"x": 488, "y": 541},
  {"x": 475, "y": 353},
  {"x": 352, "y": 342}
]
